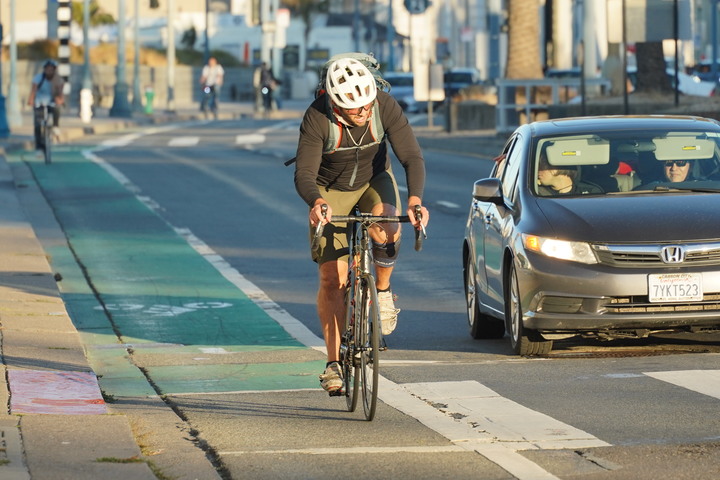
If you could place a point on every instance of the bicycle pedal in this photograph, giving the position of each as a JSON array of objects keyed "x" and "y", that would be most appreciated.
[
  {"x": 337, "y": 393},
  {"x": 383, "y": 346}
]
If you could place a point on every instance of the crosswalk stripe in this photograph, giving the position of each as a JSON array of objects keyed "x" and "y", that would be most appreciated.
[
  {"x": 184, "y": 141},
  {"x": 500, "y": 418},
  {"x": 706, "y": 382}
]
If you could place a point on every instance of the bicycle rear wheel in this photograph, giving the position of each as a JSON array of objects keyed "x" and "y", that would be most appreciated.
[
  {"x": 47, "y": 139},
  {"x": 347, "y": 349},
  {"x": 368, "y": 334}
]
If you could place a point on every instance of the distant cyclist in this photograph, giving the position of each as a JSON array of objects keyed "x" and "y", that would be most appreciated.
[
  {"x": 211, "y": 80},
  {"x": 356, "y": 171},
  {"x": 47, "y": 89}
]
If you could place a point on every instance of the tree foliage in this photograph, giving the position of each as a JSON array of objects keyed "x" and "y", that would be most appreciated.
[{"x": 97, "y": 15}]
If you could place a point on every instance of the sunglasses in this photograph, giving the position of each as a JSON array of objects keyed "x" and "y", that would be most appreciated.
[
  {"x": 677, "y": 163},
  {"x": 355, "y": 111}
]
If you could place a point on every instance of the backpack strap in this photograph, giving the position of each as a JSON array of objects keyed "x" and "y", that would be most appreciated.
[{"x": 332, "y": 143}]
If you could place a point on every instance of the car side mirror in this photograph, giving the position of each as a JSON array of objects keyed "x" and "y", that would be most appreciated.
[{"x": 488, "y": 190}]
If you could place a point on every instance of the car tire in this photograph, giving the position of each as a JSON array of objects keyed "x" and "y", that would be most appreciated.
[
  {"x": 481, "y": 325},
  {"x": 523, "y": 341}
]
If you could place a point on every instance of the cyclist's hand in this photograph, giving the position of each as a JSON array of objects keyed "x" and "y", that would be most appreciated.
[
  {"x": 316, "y": 213},
  {"x": 425, "y": 215}
]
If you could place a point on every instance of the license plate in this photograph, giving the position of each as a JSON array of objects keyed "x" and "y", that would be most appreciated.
[{"x": 675, "y": 287}]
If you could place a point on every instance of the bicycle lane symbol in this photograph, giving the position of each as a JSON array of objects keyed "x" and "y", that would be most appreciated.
[{"x": 163, "y": 310}]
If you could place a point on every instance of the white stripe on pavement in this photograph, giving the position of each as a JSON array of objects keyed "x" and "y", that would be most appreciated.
[
  {"x": 706, "y": 382},
  {"x": 250, "y": 139},
  {"x": 184, "y": 142}
]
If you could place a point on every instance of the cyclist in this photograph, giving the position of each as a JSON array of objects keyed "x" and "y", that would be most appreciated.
[
  {"x": 211, "y": 80},
  {"x": 358, "y": 172},
  {"x": 47, "y": 89}
]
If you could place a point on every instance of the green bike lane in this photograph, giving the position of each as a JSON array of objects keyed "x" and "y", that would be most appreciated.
[{"x": 148, "y": 305}]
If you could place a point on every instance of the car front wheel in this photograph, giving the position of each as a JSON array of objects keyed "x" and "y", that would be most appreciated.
[
  {"x": 523, "y": 341},
  {"x": 481, "y": 325}
]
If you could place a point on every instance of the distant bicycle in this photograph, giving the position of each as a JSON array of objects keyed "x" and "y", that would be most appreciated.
[
  {"x": 209, "y": 101},
  {"x": 44, "y": 128}
]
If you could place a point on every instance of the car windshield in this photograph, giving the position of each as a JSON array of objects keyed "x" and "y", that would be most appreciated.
[{"x": 627, "y": 162}]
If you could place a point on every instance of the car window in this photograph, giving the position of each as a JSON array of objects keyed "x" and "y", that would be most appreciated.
[
  {"x": 626, "y": 162},
  {"x": 514, "y": 159}
]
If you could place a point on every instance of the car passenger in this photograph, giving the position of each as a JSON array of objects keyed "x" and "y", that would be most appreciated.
[{"x": 555, "y": 181}]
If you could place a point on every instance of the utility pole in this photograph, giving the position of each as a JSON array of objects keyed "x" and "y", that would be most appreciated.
[{"x": 121, "y": 107}]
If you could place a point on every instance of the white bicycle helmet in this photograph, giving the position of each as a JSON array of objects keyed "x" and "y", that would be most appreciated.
[{"x": 350, "y": 84}]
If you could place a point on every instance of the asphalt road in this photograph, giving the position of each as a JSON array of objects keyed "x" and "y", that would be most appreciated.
[{"x": 195, "y": 243}]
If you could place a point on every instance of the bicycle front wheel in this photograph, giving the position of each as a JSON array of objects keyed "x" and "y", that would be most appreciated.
[
  {"x": 47, "y": 147},
  {"x": 348, "y": 350},
  {"x": 368, "y": 334}
]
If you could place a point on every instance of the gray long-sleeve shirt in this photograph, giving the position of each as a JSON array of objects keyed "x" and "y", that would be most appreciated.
[{"x": 334, "y": 170}]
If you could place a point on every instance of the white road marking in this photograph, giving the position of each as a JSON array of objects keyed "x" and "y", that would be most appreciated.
[
  {"x": 250, "y": 139},
  {"x": 183, "y": 141},
  {"x": 349, "y": 450},
  {"x": 443, "y": 203},
  {"x": 706, "y": 382}
]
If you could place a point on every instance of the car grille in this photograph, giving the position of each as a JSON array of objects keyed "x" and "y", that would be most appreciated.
[
  {"x": 626, "y": 305},
  {"x": 640, "y": 304},
  {"x": 659, "y": 255}
]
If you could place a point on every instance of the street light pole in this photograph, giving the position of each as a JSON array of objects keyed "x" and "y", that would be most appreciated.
[
  {"x": 4, "y": 130},
  {"x": 207, "y": 31},
  {"x": 136, "y": 101},
  {"x": 15, "y": 118},
  {"x": 171, "y": 56},
  {"x": 120, "y": 107},
  {"x": 86, "y": 96}
]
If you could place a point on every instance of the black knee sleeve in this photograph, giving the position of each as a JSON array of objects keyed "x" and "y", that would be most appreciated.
[{"x": 385, "y": 254}]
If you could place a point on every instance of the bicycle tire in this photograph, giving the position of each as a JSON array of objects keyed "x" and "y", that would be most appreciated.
[
  {"x": 369, "y": 334},
  {"x": 350, "y": 378},
  {"x": 47, "y": 147}
]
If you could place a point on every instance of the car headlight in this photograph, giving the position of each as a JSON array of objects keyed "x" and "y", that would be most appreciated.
[{"x": 564, "y": 250}]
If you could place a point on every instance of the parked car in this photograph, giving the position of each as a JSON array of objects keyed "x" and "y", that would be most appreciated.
[
  {"x": 402, "y": 89},
  {"x": 458, "y": 78},
  {"x": 625, "y": 254}
]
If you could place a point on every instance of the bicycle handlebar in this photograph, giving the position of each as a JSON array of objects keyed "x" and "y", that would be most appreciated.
[{"x": 368, "y": 219}]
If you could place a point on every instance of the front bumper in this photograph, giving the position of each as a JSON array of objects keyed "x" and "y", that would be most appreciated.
[{"x": 561, "y": 296}]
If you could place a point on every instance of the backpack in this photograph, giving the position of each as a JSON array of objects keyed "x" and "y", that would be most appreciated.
[{"x": 332, "y": 143}]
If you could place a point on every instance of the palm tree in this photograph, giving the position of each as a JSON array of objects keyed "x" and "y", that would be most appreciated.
[
  {"x": 524, "y": 40},
  {"x": 651, "y": 76}
]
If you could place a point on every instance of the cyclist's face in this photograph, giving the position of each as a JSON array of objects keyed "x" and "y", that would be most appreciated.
[{"x": 357, "y": 116}]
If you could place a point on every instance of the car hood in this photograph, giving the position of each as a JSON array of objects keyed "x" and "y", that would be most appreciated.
[{"x": 638, "y": 218}]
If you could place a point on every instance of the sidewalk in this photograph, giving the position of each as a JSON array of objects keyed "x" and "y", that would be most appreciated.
[{"x": 56, "y": 424}]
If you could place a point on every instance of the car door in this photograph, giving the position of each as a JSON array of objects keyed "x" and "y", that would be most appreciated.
[
  {"x": 479, "y": 210},
  {"x": 497, "y": 220}
]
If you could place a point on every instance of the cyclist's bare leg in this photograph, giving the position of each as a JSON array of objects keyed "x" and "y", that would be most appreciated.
[
  {"x": 384, "y": 233},
  {"x": 331, "y": 305}
]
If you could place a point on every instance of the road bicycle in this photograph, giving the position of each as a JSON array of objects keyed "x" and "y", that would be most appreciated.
[
  {"x": 209, "y": 101},
  {"x": 44, "y": 121},
  {"x": 361, "y": 340}
]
